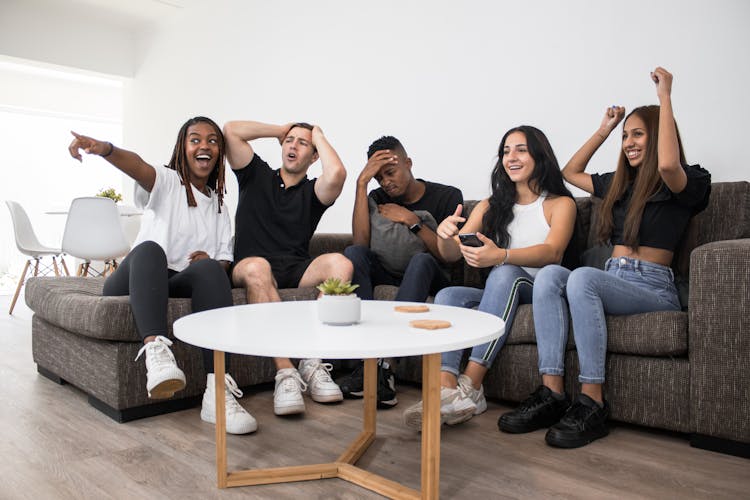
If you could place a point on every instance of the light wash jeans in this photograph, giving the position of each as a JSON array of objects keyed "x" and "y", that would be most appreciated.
[
  {"x": 506, "y": 287},
  {"x": 626, "y": 286}
]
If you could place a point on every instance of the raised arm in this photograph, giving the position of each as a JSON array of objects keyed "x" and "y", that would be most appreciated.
[
  {"x": 361, "y": 214},
  {"x": 330, "y": 183},
  {"x": 237, "y": 135},
  {"x": 668, "y": 148},
  {"x": 573, "y": 172},
  {"x": 128, "y": 162}
]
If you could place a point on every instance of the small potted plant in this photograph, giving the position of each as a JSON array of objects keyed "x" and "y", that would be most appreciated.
[
  {"x": 110, "y": 193},
  {"x": 337, "y": 304}
]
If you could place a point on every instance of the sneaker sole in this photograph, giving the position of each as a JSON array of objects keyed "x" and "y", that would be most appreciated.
[
  {"x": 247, "y": 429},
  {"x": 289, "y": 410},
  {"x": 564, "y": 440},
  {"x": 414, "y": 420},
  {"x": 327, "y": 398},
  {"x": 166, "y": 389}
]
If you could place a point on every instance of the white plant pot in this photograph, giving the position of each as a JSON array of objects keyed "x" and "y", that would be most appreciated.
[{"x": 339, "y": 310}]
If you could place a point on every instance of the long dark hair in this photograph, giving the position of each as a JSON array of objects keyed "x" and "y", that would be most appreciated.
[
  {"x": 645, "y": 179},
  {"x": 545, "y": 177},
  {"x": 180, "y": 165}
]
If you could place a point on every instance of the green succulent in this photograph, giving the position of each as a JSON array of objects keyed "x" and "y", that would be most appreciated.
[
  {"x": 110, "y": 193},
  {"x": 334, "y": 286}
]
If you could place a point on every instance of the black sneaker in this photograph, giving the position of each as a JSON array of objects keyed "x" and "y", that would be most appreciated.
[
  {"x": 583, "y": 423},
  {"x": 538, "y": 411},
  {"x": 352, "y": 385}
]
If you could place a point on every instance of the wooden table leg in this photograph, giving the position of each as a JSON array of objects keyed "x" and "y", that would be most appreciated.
[
  {"x": 221, "y": 421},
  {"x": 431, "y": 426}
]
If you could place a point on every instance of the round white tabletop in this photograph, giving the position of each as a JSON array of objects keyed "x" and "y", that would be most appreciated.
[{"x": 292, "y": 329}]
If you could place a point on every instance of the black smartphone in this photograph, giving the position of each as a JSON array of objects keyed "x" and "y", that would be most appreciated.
[{"x": 470, "y": 240}]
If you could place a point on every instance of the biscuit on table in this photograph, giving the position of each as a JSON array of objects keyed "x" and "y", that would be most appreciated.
[
  {"x": 411, "y": 309},
  {"x": 429, "y": 324}
]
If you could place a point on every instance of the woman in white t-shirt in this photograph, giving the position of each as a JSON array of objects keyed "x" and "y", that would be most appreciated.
[{"x": 182, "y": 250}]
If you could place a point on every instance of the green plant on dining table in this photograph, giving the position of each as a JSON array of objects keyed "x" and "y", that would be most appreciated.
[
  {"x": 110, "y": 193},
  {"x": 334, "y": 286}
]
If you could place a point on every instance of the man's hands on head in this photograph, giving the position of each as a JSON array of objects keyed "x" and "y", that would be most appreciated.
[{"x": 376, "y": 162}]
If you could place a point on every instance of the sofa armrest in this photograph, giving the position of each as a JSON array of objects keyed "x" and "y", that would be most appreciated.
[
  {"x": 329, "y": 243},
  {"x": 719, "y": 339}
]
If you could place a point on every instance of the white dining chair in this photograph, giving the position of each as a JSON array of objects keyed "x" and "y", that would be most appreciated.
[
  {"x": 28, "y": 244},
  {"x": 93, "y": 232}
]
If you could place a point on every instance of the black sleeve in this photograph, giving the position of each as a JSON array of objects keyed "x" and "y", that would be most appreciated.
[
  {"x": 601, "y": 183},
  {"x": 247, "y": 174},
  {"x": 697, "y": 190}
]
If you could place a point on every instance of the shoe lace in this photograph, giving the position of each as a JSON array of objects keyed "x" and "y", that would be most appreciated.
[
  {"x": 232, "y": 390},
  {"x": 157, "y": 351},
  {"x": 466, "y": 388},
  {"x": 532, "y": 401},
  {"x": 291, "y": 381},
  {"x": 578, "y": 414},
  {"x": 322, "y": 373}
]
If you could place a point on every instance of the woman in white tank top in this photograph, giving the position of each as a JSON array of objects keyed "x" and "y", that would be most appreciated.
[{"x": 525, "y": 224}]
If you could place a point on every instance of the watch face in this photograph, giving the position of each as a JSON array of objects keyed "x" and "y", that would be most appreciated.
[{"x": 415, "y": 228}]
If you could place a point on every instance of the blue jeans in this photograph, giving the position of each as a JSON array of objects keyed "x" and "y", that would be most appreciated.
[
  {"x": 423, "y": 276},
  {"x": 626, "y": 286},
  {"x": 506, "y": 288}
]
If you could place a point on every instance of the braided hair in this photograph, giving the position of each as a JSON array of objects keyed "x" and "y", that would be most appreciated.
[{"x": 179, "y": 162}]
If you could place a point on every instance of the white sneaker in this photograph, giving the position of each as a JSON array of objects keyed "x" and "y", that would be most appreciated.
[
  {"x": 163, "y": 377},
  {"x": 476, "y": 395},
  {"x": 287, "y": 396},
  {"x": 238, "y": 420},
  {"x": 454, "y": 409},
  {"x": 320, "y": 385}
]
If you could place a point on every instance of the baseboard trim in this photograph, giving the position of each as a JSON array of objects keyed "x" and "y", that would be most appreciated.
[
  {"x": 727, "y": 446},
  {"x": 138, "y": 412}
]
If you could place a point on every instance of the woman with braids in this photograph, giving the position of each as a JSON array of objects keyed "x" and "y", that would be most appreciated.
[
  {"x": 525, "y": 224},
  {"x": 647, "y": 203},
  {"x": 182, "y": 250}
]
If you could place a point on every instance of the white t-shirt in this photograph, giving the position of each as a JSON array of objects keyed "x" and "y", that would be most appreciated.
[{"x": 181, "y": 230}]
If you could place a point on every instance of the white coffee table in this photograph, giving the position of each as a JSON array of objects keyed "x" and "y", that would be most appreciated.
[{"x": 291, "y": 329}]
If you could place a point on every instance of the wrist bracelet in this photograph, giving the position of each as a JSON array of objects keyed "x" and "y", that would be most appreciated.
[
  {"x": 507, "y": 252},
  {"x": 111, "y": 148}
]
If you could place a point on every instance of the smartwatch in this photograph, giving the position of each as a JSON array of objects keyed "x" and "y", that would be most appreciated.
[{"x": 415, "y": 228}]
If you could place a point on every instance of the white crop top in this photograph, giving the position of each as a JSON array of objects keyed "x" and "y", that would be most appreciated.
[
  {"x": 529, "y": 227},
  {"x": 181, "y": 230}
]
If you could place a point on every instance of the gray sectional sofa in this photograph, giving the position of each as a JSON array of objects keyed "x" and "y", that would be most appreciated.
[{"x": 686, "y": 371}]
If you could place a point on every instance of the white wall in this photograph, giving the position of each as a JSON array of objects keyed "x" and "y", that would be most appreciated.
[
  {"x": 60, "y": 32},
  {"x": 448, "y": 78}
]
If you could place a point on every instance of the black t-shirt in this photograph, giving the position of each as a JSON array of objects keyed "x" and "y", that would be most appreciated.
[
  {"x": 438, "y": 199},
  {"x": 272, "y": 220},
  {"x": 665, "y": 215}
]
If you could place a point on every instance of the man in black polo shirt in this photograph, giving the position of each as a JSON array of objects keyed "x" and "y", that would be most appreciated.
[
  {"x": 394, "y": 240},
  {"x": 277, "y": 213}
]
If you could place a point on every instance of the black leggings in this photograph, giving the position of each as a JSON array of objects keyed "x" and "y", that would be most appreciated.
[{"x": 144, "y": 275}]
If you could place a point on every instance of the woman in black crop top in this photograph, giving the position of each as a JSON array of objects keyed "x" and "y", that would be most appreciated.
[{"x": 647, "y": 203}]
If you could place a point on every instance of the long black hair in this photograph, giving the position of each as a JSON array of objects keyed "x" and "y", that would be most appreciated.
[
  {"x": 179, "y": 162},
  {"x": 545, "y": 177}
]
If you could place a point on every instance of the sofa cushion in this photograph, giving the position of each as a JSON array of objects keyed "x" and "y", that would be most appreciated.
[{"x": 76, "y": 304}]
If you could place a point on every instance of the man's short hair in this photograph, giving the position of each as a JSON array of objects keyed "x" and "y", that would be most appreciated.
[
  {"x": 385, "y": 142},
  {"x": 303, "y": 125}
]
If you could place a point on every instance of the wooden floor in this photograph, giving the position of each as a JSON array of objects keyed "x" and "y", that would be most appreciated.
[{"x": 54, "y": 445}]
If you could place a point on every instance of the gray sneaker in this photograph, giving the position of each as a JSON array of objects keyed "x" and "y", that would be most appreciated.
[
  {"x": 476, "y": 395},
  {"x": 455, "y": 408}
]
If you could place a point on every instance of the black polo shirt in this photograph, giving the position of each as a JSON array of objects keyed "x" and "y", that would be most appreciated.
[{"x": 273, "y": 220}]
